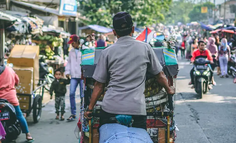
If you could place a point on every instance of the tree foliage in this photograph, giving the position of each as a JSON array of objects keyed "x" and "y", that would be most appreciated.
[
  {"x": 196, "y": 15},
  {"x": 144, "y": 12},
  {"x": 179, "y": 12}
]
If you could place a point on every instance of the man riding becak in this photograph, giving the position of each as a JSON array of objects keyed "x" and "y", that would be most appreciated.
[{"x": 123, "y": 66}]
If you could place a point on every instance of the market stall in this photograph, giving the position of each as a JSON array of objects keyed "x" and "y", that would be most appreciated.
[
  {"x": 51, "y": 45},
  {"x": 4, "y": 23}
]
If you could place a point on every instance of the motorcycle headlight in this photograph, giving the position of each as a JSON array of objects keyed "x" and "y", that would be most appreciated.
[
  {"x": 197, "y": 72},
  {"x": 205, "y": 72}
]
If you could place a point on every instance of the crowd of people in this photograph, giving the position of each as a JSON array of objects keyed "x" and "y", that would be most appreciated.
[{"x": 220, "y": 45}]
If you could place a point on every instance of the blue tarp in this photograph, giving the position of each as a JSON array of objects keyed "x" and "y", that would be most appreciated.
[
  {"x": 230, "y": 28},
  {"x": 206, "y": 27},
  {"x": 97, "y": 28},
  {"x": 138, "y": 29}
]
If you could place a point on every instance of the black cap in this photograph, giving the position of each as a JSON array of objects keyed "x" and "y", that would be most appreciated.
[
  {"x": 201, "y": 41},
  {"x": 122, "y": 21}
]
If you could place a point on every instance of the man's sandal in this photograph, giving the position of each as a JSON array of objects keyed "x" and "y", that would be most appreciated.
[{"x": 71, "y": 118}]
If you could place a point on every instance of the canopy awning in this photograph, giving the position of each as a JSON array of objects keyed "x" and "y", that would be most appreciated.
[
  {"x": 38, "y": 7},
  {"x": 228, "y": 31},
  {"x": 206, "y": 27},
  {"x": 97, "y": 28},
  {"x": 5, "y": 22}
]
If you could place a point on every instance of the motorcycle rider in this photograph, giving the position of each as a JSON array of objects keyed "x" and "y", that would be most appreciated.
[
  {"x": 123, "y": 66},
  {"x": 9, "y": 80},
  {"x": 201, "y": 51}
]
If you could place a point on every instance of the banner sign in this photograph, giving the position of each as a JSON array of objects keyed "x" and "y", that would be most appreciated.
[
  {"x": 68, "y": 7},
  {"x": 204, "y": 9}
]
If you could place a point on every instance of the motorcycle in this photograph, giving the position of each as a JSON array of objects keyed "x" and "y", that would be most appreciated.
[
  {"x": 201, "y": 75},
  {"x": 45, "y": 74},
  {"x": 232, "y": 64},
  {"x": 9, "y": 121}
]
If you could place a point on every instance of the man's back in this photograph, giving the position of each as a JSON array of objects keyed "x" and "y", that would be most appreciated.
[{"x": 126, "y": 63}]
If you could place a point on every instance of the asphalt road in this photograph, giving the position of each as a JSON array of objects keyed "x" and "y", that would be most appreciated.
[{"x": 207, "y": 120}]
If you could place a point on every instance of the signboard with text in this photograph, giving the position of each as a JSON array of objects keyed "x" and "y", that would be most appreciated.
[
  {"x": 68, "y": 7},
  {"x": 204, "y": 9}
]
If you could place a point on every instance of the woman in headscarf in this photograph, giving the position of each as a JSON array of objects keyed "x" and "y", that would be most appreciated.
[
  {"x": 214, "y": 52},
  {"x": 224, "y": 54}
]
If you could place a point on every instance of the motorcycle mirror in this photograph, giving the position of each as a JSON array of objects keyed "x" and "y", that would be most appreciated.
[{"x": 2, "y": 105}]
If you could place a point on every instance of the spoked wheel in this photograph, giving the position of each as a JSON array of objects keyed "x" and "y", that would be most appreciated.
[{"x": 37, "y": 108}]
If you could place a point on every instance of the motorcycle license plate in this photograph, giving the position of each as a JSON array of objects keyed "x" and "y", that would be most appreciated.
[
  {"x": 201, "y": 67},
  {"x": 4, "y": 116}
]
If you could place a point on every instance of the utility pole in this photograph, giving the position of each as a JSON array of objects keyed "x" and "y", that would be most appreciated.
[
  {"x": 224, "y": 11},
  {"x": 214, "y": 17}
]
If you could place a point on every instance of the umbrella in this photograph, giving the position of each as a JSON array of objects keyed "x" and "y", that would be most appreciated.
[
  {"x": 228, "y": 31},
  {"x": 97, "y": 28},
  {"x": 215, "y": 31}
]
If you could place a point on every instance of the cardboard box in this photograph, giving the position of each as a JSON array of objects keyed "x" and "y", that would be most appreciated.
[
  {"x": 26, "y": 56},
  {"x": 24, "y": 99},
  {"x": 24, "y": 106},
  {"x": 25, "y": 75}
]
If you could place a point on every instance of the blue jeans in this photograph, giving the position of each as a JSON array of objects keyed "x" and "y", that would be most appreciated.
[
  {"x": 73, "y": 85},
  {"x": 21, "y": 118},
  {"x": 116, "y": 133}
]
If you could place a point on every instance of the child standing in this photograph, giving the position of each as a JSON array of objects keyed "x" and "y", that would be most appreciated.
[{"x": 59, "y": 88}]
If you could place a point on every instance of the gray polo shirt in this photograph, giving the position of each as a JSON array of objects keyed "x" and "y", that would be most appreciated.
[{"x": 124, "y": 65}]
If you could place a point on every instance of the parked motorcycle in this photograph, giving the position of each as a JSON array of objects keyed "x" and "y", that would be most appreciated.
[
  {"x": 9, "y": 121},
  {"x": 201, "y": 75},
  {"x": 232, "y": 64},
  {"x": 45, "y": 73}
]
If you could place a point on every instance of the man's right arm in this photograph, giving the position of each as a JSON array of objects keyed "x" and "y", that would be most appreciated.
[{"x": 161, "y": 79}]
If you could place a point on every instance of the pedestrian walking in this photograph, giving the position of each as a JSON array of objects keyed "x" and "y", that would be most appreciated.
[
  {"x": 188, "y": 47},
  {"x": 58, "y": 86},
  {"x": 224, "y": 54},
  {"x": 183, "y": 49},
  {"x": 73, "y": 70},
  {"x": 214, "y": 52},
  {"x": 217, "y": 42},
  {"x": 9, "y": 79},
  {"x": 101, "y": 42},
  {"x": 194, "y": 46}
]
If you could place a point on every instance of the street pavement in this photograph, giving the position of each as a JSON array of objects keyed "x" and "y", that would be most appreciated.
[{"x": 207, "y": 120}]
